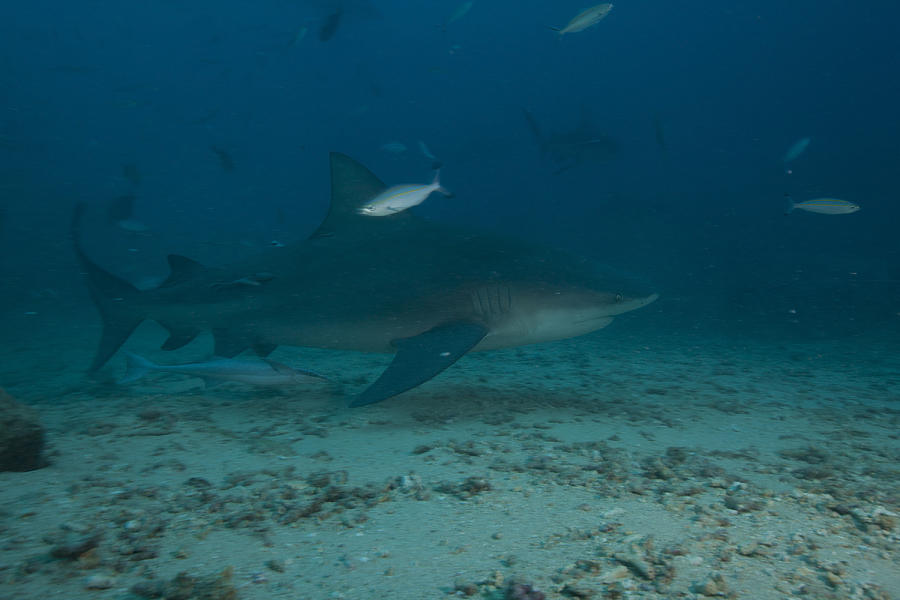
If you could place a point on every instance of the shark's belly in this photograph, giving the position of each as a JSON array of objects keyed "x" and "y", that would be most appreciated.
[{"x": 365, "y": 336}]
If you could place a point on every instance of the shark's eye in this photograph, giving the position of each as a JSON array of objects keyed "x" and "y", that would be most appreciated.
[{"x": 619, "y": 297}]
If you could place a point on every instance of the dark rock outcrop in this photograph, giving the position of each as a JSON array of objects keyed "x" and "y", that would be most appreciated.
[{"x": 21, "y": 436}]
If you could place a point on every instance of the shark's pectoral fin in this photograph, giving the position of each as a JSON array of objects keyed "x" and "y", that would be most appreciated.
[{"x": 420, "y": 358}]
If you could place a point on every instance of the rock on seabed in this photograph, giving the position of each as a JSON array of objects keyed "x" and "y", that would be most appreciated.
[{"x": 21, "y": 436}]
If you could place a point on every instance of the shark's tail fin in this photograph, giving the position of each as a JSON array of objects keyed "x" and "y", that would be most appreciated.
[
  {"x": 137, "y": 367},
  {"x": 114, "y": 297}
]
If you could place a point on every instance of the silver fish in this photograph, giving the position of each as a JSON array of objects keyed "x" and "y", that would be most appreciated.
[
  {"x": 823, "y": 206},
  {"x": 394, "y": 147},
  {"x": 586, "y": 18},
  {"x": 262, "y": 371},
  {"x": 461, "y": 11},
  {"x": 401, "y": 197},
  {"x": 796, "y": 149}
]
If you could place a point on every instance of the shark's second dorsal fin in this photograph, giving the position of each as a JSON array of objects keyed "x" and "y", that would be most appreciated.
[
  {"x": 352, "y": 185},
  {"x": 182, "y": 269}
]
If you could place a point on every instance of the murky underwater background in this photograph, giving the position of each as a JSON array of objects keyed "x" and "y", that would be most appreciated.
[{"x": 738, "y": 436}]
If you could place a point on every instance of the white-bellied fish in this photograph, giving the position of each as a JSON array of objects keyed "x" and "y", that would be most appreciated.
[
  {"x": 261, "y": 371},
  {"x": 586, "y": 18},
  {"x": 299, "y": 36},
  {"x": 132, "y": 226},
  {"x": 394, "y": 147},
  {"x": 425, "y": 151},
  {"x": 398, "y": 198},
  {"x": 823, "y": 206},
  {"x": 461, "y": 11},
  {"x": 796, "y": 149}
]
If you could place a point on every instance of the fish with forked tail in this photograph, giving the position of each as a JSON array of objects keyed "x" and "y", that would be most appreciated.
[
  {"x": 261, "y": 371},
  {"x": 585, "y": 19},
  {"x": 823, "y": 206},
  {"x": 401, "y": 197}
]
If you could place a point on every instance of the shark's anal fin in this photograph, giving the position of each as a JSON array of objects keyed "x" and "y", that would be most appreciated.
[
  {"x": 229, "y": 344},
  {"x": 182, "y": 269},
  {"x": 420, "y": 358}
]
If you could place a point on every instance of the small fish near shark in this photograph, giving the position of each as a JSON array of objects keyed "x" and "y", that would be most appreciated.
[
  {"x": 428, "y": 293},
  {"x": 398, "y": 198},
  {"x": 585, "y": 19},
  {"x": 259, "y": 372},
  {"x": 822, "y": 206}
]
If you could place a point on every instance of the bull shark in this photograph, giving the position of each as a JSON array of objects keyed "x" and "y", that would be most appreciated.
[
  {"x": 568, "y": 149},
  {"x": 426, "y": 292}
]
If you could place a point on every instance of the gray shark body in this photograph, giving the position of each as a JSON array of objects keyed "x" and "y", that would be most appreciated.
[{"x": 426, "y": 292}]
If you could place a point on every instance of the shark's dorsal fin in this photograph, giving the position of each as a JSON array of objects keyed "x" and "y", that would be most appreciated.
[
  {"x": 352, "y": 185},
  {"x": 182, "y": 269}
]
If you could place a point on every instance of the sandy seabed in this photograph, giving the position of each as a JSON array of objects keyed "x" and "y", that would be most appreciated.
[{"x": 618, "y": 465}]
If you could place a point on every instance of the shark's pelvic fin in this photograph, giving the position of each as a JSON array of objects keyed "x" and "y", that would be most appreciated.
[
  {"x": 421, "y": 357},
  {"x": 352, "y": 185},
  {"x": 179, "y": 336},
  {"x": 137, "y": 367},
  {"x": 113, "y": 296},
  {"x": 264, "y": 348}
]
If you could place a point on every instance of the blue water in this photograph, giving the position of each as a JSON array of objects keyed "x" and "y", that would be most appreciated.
[{"x": 91, "y": 86}]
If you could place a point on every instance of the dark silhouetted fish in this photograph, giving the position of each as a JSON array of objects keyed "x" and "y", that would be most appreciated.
[
  {"x": 660, "y": 135},
  {"x": 330, "y": 25},
  {"x": 568, "y": 149},
  {"x": 131, "y": 173},
  {"x": 225, "y": 160},
  {"x": 120, "y": 209},
  {"x": 354, "y": 10},
  {"x": 120, "y": 212}
]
